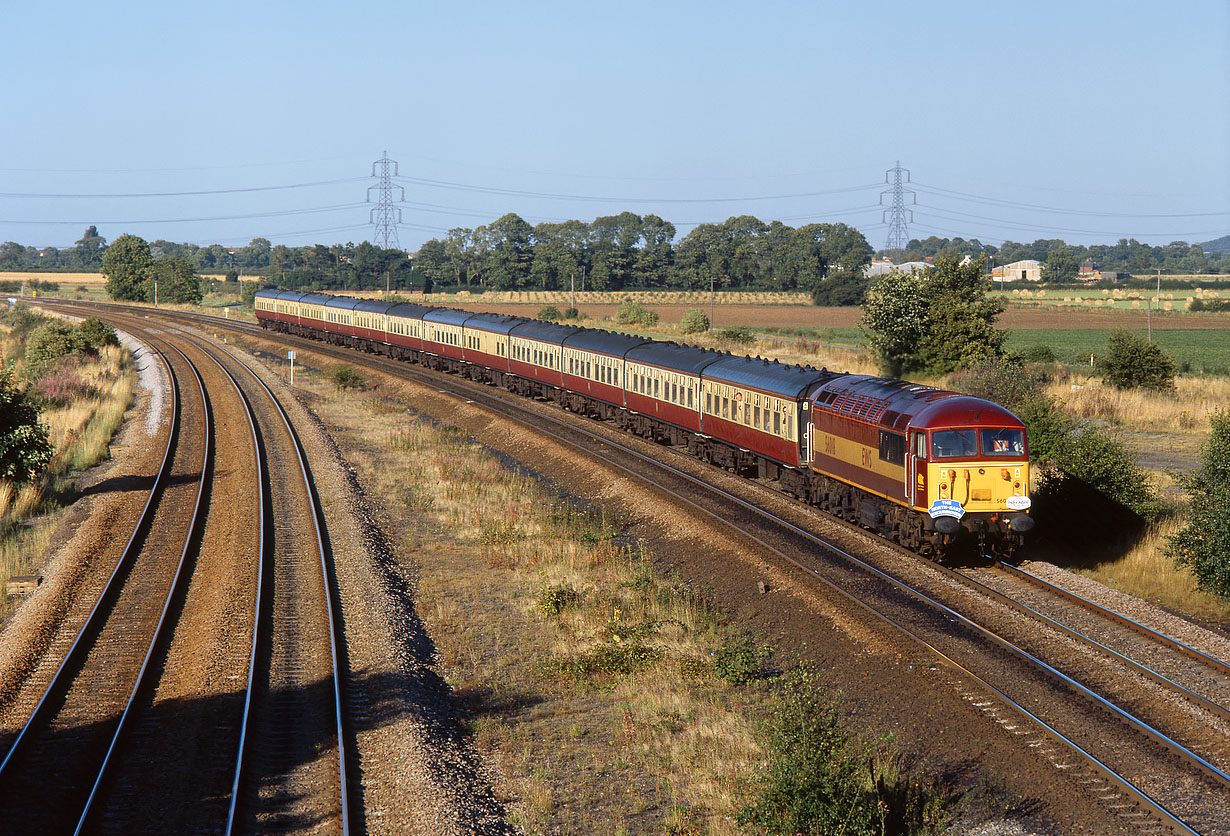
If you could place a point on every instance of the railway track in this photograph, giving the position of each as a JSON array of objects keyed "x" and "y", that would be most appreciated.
[
  {"x": 240, "y": 737},
  {"x": 1144, "y": 776},
  {"x": 51, "y": 765}
]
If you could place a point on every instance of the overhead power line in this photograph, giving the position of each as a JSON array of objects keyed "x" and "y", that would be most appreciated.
[
  {"x": 116, "y": 195},
  {"x": 280, "y": 214},
  {"x": 1088, "y": 212},
  {"x": 468, "y": 187}
]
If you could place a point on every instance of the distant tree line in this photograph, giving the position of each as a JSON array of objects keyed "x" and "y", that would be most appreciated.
[
  {"x": 1063, "y": 260},
  {"x": 633, "y": 251},
  {"x": 347, "y": 266}
]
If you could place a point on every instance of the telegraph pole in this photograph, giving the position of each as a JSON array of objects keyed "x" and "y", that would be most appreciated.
[
  {"x": 895, "y": 215},
  {"x": 385, "y": 217}
]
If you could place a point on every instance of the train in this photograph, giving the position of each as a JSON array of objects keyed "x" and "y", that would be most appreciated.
[{"x": 924, "y": 467}]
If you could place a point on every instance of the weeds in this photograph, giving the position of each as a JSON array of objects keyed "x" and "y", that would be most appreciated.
[
  {"x": 346, "y": 377},
  {"x": 740, "y": 659},
  {"x": 553, "y": 599},
  {"x": 819, "y": 781}
]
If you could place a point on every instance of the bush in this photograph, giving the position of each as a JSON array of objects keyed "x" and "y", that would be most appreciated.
[
  {"x": 572, "y": 313},
  {"x": 694, "y": 321},
  {"x": 344, "y": 377},
  {"x": 247, "y": 293},
  {"x": 631, "y": 313},
  {"x": 1007, "y": 383},
  {"x": 739, "y": 660},
  {"x": 740, "y": 336},
  {"x": 97, "y": 334},
  {"x": 549, "y": 313},
  {"x": 1133, "y": 363},
  {"x": 818, "y": 781},
  {"x": 47, "y": 343},
  {"x": 1203, "y": 544},
  {"x": 25, "y": 450},
  {"x": 1039, "y": 354}
]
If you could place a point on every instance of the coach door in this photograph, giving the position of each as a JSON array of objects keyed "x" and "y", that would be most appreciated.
[
  {"x": 808, "y": 457},
  {"x": 915, "y": 469}
]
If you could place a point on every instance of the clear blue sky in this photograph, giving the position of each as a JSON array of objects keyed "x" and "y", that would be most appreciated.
[{"x": 1113, "y": 116}]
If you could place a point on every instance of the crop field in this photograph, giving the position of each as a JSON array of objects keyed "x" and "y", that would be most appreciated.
[{"x": 1119, "y": 300}]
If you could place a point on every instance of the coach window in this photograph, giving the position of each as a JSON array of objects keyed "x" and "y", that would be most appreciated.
[
  {"x": 789, "y": 426},
  {"x": 777, "y": 423},
  {"x": 691, "y": 393}
]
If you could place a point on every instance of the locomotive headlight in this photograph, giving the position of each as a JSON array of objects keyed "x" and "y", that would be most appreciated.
[{"x": 1016, "y": 486}]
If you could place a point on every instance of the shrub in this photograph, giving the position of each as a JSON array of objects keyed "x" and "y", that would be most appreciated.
[
  {"x": 739, "y": 660},
  {"x": 25, "y": 449},
  {"x": 818, "y": 781},
  {"x": 48, "y": 342},
  {"x": 740, "y": 336},
  {"x": 1039, "y": 354},
  {"x": 1007, "y": 383},
  {"x": 572, "y": 313},
  {"x": 630, "y": 313},
  {"x": 550, "y": 313},
  {"x": 694, "y": 321},
  {"x": 1133, "y": 363},
  {"x": 554, "y": 599},
  {"x": 1203, "y": 544},
  {"x": 247, "y": 293},
  {"x": 97, "y": 334},
  {"x": 344, "y": 377}
]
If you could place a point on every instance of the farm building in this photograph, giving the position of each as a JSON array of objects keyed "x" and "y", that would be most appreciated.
[
  {"x": 883, "y": 267},
  {"x": 1028, "y": 270}
]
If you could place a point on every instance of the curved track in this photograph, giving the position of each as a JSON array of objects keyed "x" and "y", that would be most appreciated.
[
  {"x": 1133, "y": 774},
  {"x": 166, "y": 742},
  {"x": 63, "y": 748}
]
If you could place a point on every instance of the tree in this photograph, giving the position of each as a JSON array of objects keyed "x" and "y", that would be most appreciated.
[
  {"x": 1133, "y": 363},
  {"x": 511, "y": 254},
  {"x": 127, "y": 264},
  {"x": 934, "y": 322},
  {"x": 431, "y": 262},
  {"x": 694, "y": 321},
  {"x": 895, "y": 320},
  {"x": 255, "y": 256},
  {"x": 177, "y": 281},
  {"x": 1062, "y": 265},
  {"x": 90, "y": 249},
  {"x": 25, "y": 449},
  {"x": 1203, "y": 544}
]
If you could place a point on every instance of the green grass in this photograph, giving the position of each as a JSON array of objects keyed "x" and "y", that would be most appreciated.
[{"x": 1199, "y": 350}]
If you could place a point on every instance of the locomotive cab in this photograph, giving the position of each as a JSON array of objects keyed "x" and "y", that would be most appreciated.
[{"x": 973, "y": 477}]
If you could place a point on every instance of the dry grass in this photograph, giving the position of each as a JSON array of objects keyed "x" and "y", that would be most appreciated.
[
  {"x": 582, "y": 605},
  {"x": 80, "y": 433},
  {"x": 1187, "y": 409},
  {"x": 66, "y": 280},
  {"x": 1146, "y": 572}
]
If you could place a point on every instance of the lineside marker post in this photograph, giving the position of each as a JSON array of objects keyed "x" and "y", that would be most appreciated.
[{"x": 290, "y": 355}]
